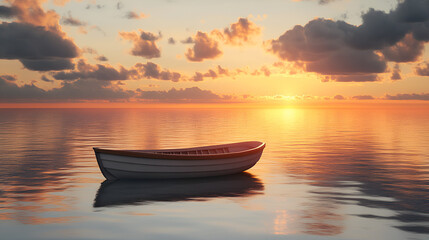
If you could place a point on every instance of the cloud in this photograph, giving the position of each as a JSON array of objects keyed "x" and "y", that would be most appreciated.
[
  {"x": 211, "y": 73},
  {"x": 363, "y": 97},
  {"x": 79, "y": 90},
  {"x": 193, "y": 93},
  {"x": 47, "y": 64},
  {"x": 102, "y": 58},
  {"x": 71, "y": 21},
  {"x": 134, "y": 15},
  {"x": 10, "y": 92},
  {"x": 8, "y": 12},
  {"x": 45, "y": 79},
  {"x": 92, "y": 51},
  {"x": 32, "y": 12},
  {"x": 412, "y": 11},
  {"x": 353, "y": 78},
  {"x": 106, "y": 72},
  {"x": 422, "y": 69},
  {"x": 35, "y": 43},
  {"x": 98, "y": 71},
  {"x": 333, "y": 48},
  {"x": 36, "y": 39},
  {"x": 320, "y": 44},
  {"x": 152, "y": 70},
  {"x": 396, "y": 74},
  {"x": 204, "y": 48},
  {"x": 188, "y": 40},
  {"x": 37, "y": 48},
  {"x": 7, "y": 77},
  {"x": 144, "y": 44},
  {"x": 413, "y": 96},
  {"x": 339, "y": 97},
  {"x": 240, "y": 32},
  {"x": 171, "y": 41},
  {"x": 406, "y": 50}
]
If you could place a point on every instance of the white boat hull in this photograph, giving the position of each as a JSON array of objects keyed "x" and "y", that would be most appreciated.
[{"x": 115, "y": 166}]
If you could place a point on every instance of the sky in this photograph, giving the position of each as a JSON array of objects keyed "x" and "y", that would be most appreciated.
[{"x": 189, "y": 51}]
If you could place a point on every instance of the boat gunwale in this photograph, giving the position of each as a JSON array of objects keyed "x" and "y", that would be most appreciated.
[{"x": 157, "y": 155}]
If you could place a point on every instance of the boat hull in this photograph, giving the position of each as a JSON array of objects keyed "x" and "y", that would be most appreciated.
[{"x": 120, "y": 165}]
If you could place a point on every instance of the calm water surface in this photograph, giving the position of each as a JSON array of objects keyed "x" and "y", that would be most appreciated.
[{"x": 325, "y": 174}]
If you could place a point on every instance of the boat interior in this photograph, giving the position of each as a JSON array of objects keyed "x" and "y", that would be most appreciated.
[
  {"x": 198, "y": 152},
  {"x": 218, "y": 149}
]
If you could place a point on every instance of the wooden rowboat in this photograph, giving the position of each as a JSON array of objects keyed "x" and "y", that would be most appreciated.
[{"x": 204, "y": 161}]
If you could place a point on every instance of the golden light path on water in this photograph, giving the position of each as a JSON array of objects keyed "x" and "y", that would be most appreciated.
[{"x": 334, "y": 173}]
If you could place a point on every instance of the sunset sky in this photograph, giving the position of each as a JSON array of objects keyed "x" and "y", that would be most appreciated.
[{"x": 213, "y": 51}]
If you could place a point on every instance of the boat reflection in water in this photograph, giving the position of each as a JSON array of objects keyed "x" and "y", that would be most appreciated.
[{"x": 129, "y": 192}]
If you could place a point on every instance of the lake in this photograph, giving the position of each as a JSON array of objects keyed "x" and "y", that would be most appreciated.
[{"x": 326, "y": 173}]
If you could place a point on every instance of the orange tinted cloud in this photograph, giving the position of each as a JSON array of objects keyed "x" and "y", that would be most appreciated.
[
  {"x": 32, "y": 12},
  {"x": 240, "y": 32},
  {"x": 205, "y": 47},
  {"x": 144, "y": 43}
]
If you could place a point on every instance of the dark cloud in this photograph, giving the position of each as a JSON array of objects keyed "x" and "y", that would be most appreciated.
[
  {"x": 134, "y": 15},
  {"x": 363, "y": 97},
  {"x": 378, "y": 30},
  {"x": 152, "y": 70},
  {"x": 171, "y": 41},
  {"x": 34, "y": 43},
  {"x": 9, "y": 91},
  {"x": 193, "y": 93},
  {"x": 421, "y": 31},
  {"x": 412, "y": 11},
  {"x": 204, "y": 48},
  {"x": 240, "y": 32},
  {"x": 106, "y": 72},
  {"x": 86, "y": 89},
  {"x": 333, "y": 48},
  {"x": 98, "y": 71},
  {"x": 422, "y": 69},
  {"x": 47, "y": 65},
  {"x": 8, "y": 12},
  {"x": 71, "y": 21},
  {"x": 45, "y": 79},
  {"x": 348, "y": 61},
  {"x": 396, "y": 73},
  {"x": 78, "y": 90},
  {"x": 144, "y": 44},
  {"x": 321, "y": 45},
  {"x": 102, "y": 58},
  {"x": 339, "y": 97},
  {"x": 188, "y": 40},
  {"x": 355, "y": 78},
  {"x": 10, "y": 78},
  {"x": 413, "y": 96}
]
